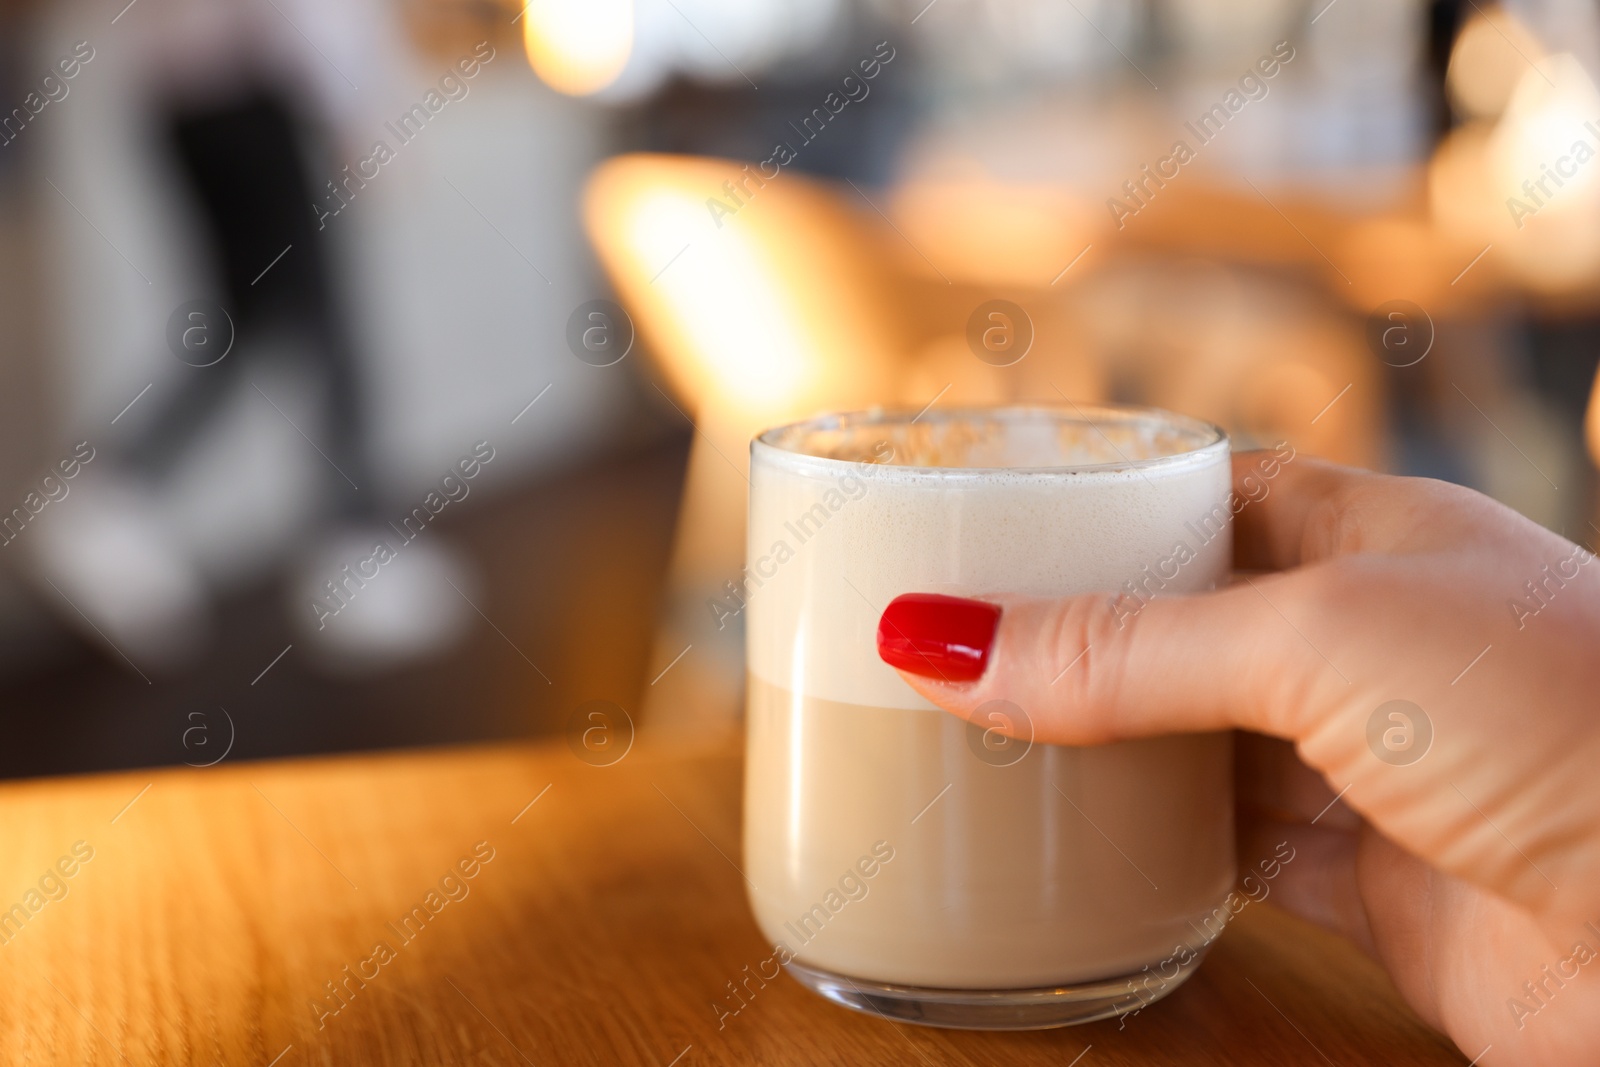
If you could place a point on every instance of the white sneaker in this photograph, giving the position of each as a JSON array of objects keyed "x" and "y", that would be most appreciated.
[
  {"x": 102, "y": 557},
  {"x": 362, "y": 609}
]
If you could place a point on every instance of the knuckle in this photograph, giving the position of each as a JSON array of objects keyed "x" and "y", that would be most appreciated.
[
  {"x": 1338, "y": 523},
  {"x": 1365, "y": 512},
  {"x": 1306, "y": 668}
]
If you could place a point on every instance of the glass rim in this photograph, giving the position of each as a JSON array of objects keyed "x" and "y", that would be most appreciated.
[{"x": 1213, "y": 438}]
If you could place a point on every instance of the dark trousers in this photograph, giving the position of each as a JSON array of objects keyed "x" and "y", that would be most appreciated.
[{"x": 245, "y": 166}]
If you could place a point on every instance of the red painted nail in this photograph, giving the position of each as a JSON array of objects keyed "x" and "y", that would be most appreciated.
[{"x": 943, "y": 637}]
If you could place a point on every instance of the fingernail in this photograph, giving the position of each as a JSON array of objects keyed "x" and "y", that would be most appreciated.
[{"x": 942, "y": 637}]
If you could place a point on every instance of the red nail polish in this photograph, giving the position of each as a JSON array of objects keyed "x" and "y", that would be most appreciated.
[{"x": 942, "y": 637}]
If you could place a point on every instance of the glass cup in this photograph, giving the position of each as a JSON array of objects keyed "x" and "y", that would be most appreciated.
[{"x": 936, "y": 871}]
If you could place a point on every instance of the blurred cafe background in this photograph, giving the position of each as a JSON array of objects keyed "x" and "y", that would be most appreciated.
[{"x": 380, "y": 372}]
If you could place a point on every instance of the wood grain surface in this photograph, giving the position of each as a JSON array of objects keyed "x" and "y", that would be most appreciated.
[{"x": 603, "y": 918}]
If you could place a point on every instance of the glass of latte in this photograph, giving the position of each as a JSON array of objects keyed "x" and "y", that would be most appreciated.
[{"x": 902, "y": 861}]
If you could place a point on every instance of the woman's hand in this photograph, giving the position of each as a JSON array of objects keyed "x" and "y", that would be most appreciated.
[{"x": 1473, "y": 872}]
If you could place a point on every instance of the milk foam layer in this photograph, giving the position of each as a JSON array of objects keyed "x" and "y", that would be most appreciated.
[
  {"x": 831, "y": 542},
  {"x": 1070, "y": 865}
]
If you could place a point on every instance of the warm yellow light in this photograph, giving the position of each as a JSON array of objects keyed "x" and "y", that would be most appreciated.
[
  {"x": 1543, "y": 154},
  {"x": 989, "y": 232},
  {"x": 1395, "y": 256},
  {"x": 1465, "y": 197},
  {"x": 1551, "y": 111},
  {"x": 743, "y": 337},
  {"x": 1592, "y": 421},
  {"x": 1486, "y": 62},
  {"x": 761, "y": 299},
  {"x": 770, "y": 310},
  {"x": 1528, "y": 184},
  {"x": 578, "y": 47}
]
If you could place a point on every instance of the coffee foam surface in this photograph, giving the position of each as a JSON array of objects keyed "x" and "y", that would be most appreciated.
[{"x": 1013, "y": 440}]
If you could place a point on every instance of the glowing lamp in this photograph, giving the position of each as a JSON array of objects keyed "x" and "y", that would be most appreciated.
[
  {"x": 1530, "y": 182},
  {"x": 578, "y": 48},
  {"x": 1489, "y": 57},
  {"x": 1543, "y": 153}
]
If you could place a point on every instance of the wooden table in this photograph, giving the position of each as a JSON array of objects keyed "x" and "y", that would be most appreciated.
[{"x": 219, "y": 903}]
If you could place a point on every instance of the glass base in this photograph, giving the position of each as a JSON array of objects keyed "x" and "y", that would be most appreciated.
[{"x": 995, "y": 1009}]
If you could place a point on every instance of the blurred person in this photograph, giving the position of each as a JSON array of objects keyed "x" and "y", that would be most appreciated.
[
  {"x": 249, "y": 98},
  {"x": 1470, "y": 869}
]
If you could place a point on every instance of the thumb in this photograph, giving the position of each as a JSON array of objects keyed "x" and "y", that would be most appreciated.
[{"x": 1091, "y": 669}]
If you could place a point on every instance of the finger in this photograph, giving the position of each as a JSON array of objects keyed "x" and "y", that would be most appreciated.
[
  {"x": 1288, "y": 507},
  {"x": 1088, "y": 670},
  {"x": 1291, "y": 510}
]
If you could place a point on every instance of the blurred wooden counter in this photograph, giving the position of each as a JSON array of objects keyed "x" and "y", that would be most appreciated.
[{"x": 603, "y": 919}]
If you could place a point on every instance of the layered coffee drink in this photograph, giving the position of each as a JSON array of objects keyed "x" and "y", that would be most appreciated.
[{"x": 937, "y": 870}]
